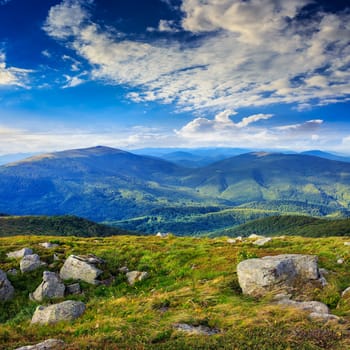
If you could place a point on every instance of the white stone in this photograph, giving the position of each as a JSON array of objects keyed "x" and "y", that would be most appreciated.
[
  {"x": 262, "y": 241},
  {"x": 66, "y": 311},
  {"x": 136, "y": 276},
  {"x": 49, "y": 344},
  {"x": 18, "y": 254},
  {"x": 198, "y": 330},
  {"x": 6, "y": 288},
  {"x": 81, "y": 268},
  {"x": 50, "y": 288},
  {"x": 30, "y": 263},
  {"x": 48, "y": 245},
  {"x": 275, "y": 273}
]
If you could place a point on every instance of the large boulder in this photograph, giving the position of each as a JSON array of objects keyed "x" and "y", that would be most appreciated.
[
  {"x": 6, "y": 288},
  {"x": 81, "y": 268},
  {"x": 18, "y": 254},
  {"x": 280, "y": 273},
  {"x": 50, "y": 288},
  {"x": 136, "y": 276},
  {"x": 30, "y": 263},
  {"x": 66, "y": 311},
  {"x": 49, "y": 344}
]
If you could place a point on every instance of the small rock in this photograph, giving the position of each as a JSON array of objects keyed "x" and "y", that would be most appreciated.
[
  {"x": 123, "y": 269},
  {"x": 56, "y": 257},
  {"x": 18, "y": 254},
  {"x": 50, "y": 288},
  {"x": 162, "y": 234},
  {"x": 6, "y": 288},
  {"x": 48, "y": 245},
  {"x": 50, "y": 344},
  {"x": 255, "y": 236},
  {"x": 231, "y": 241},
  {"x": 12, "y": 272},
  {"x": 323, "y": 316},
  {"x": 310, "y": 306},
  {"x": 346, "y": 293},
  {"x": 81, "y": 268},
  {"x": 340, "y": 261},
  {"x": 346, "y": 243},
  {"x": 200, "y": 330},
  {"x": 30, "y": 263},
  {"x": 136, "y": 276},
  {"x": 262, "y": 241},
  {"x": 66, "y": 311},
  {"x": 73, "y": 288}
]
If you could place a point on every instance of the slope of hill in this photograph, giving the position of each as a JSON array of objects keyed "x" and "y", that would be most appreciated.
[
  {"x": 106, "y": 184},
  {"x": 326, "y": 155},
  {"x": 191, "y": 281},
  {"x": 55, "y": 226},
  {"x": 290, "y": 225}
]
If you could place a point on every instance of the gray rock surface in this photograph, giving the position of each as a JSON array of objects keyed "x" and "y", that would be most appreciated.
[
  {"x": 66, "y": 311},
  {"x": 30, "y": 263},
  {"x": 73, "y": 288},
  {"x": 262, "y": 241},
  {"x": 49, "y": 344},
  {"x": 81, "y": 268},
  {"x": 310, "y": 306},
  {"x": 136, "y": 276},
  {"x": 323, "y": 316},
  {"x": 200, "y": 330},
  {"x": 18, "y": 254},
  {"x": 50, "y": 288},
  {"x": 258, "y": 277},
  {"x": 6, "y": 288}
]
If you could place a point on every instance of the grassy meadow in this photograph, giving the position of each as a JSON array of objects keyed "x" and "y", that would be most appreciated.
[{"x": 191, "y": 280}]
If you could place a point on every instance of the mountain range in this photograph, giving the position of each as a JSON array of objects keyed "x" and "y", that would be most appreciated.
[{"x": 115, "y": 186}]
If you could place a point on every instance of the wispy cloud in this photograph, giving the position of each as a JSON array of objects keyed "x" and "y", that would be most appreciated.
[
  {"x": 12, "y": 75},
  {"x": 259, "y": 52}
]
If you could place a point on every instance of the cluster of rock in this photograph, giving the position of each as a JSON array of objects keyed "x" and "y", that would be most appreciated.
[
  {"x": 49, "y": 344},
  {"x": 76, "y": 267},
  {"x": 282, "y": 275}
]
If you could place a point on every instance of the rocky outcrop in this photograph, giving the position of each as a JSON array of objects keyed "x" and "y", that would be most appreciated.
[
  {"x": 18, "y": 254},
  {"x": 279, "y": 273},
  {"x": 30, "y": 263},
  {"x": 49, "y": 344},
  {"x": 6, "y": 288},
  {"x": 50, "y": 288},
  {"x": 346, "y": 293},
  {"x": 66, "y": 311},
  {"x": 136, "y": 276},
  {"x": 81, "y": 268}
]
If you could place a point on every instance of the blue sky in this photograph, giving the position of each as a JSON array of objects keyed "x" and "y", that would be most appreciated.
[{"x": 169, "y": 73}]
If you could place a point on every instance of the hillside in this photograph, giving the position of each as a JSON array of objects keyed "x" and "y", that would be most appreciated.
[
  {"x": 113, "y": 186},
  {"x": 290, "y": 225},
  {"x": 55, "y": 226},
  {"x": 191, "y": 281}
]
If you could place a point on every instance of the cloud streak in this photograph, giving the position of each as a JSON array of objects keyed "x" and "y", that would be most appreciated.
[{"x": 12, "y": 75}]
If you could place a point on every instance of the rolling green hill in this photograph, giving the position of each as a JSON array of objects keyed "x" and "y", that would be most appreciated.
[
  {"x": 290, "y": 225},
  {"x": 113, "y": 186},
  {"x": 55, "y": 226}
]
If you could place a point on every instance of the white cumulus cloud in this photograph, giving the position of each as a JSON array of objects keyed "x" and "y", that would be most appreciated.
[
  {"x": 12, "y": 75},
  {"x": 259, "y": 52}
]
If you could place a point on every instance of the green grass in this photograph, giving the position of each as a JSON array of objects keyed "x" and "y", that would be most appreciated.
[
  {"x": 190, "y": 280},
  {"x": 65, "y": 225},
  {"x": 290, "y": 225}
]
